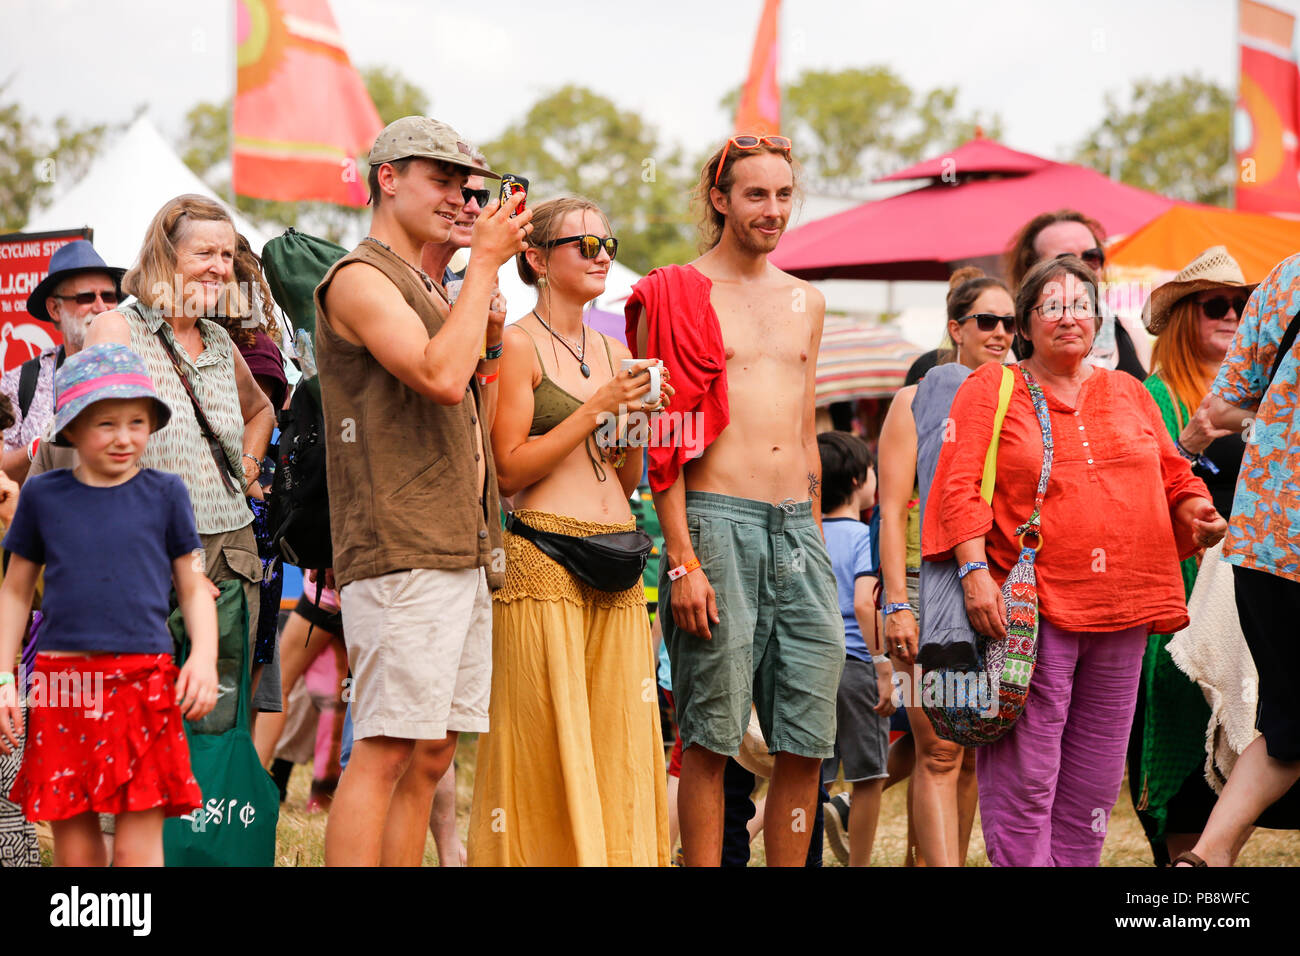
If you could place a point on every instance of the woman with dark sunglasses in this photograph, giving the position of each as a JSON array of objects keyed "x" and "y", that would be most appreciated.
[
  {"x": 573, "y": 771},
  {"x": 1194, "y": 318},
  {"x": 980, "y": 320}
]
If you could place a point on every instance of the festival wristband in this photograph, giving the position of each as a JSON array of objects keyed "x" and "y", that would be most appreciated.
[
  {"x": 879, "y": 658},
  {"x": 6, "y": 678},
  {"x": 488, "y": 379},
  {"x": 683, "y": 569},
  {"x": 494, "y": 351},
  {"x": 891, "y": 608},
  {"x": 1196, "y": 459},
  {"x": 970, "y": 566}
]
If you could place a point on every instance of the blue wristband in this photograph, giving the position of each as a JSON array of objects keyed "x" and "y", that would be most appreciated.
[
  {"x": 970, "y": 566},
  {"x": 891, "y": 608}
]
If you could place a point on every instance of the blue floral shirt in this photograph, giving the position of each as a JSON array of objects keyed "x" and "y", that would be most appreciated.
[{"x": 1264, "y": 530}]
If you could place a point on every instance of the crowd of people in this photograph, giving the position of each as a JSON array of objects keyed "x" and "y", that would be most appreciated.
[{"x": 488, "y": 493}]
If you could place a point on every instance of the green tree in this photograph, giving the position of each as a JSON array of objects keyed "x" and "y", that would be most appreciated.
[
  {"x": 394, "y": 95},
  {"x": 854, "y": 125},
  {"x": 575, "y": 141},
  {"x": 1170, "y": 136},
  {"x": 34, "y": 159}
]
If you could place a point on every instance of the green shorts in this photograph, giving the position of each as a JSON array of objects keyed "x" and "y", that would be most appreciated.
[{"x": 779, "y": 643}]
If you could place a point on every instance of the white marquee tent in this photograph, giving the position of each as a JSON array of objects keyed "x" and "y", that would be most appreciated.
[{"x": 125, "y": 186}]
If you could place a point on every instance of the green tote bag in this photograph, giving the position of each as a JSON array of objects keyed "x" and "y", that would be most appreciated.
[{"x": 241, "y": 805}]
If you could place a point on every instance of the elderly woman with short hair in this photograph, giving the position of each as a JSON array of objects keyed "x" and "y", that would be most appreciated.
[
  {"x": 182, "y": 281},
  {"x": 1121, "y": 507}
]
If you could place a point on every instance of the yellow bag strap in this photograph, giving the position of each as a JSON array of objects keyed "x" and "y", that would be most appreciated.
[{"x": 991, "y": 459}]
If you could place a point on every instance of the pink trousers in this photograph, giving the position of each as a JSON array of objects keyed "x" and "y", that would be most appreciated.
[{"x": 1046, "y": 789}]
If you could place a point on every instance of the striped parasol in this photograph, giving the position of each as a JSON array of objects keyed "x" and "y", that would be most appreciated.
[{"x": 860, "y": 360}]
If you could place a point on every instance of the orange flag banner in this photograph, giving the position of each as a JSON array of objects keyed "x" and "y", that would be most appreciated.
[
  {"x": 760, "y": 101},
  {"x": 302, "y": 113},
  {"x": 1268, "y": 112}
]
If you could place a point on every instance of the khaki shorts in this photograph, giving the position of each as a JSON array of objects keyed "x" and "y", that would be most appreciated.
[{"x": 420, "y": 648}]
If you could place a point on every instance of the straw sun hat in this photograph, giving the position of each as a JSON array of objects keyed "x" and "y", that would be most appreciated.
[{"x": 1212, "y": 269}]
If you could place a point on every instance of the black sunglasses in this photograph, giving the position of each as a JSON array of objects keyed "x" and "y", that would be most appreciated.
[
  {"x": 88, "y": 298},
  {"x": 589, "y": 246},
  {"x": 987, "y": 321},
  {"x": 481, "y": 195},
  {"x": 1094, "y": 258},
  {"x": 1217, "y": 307}
]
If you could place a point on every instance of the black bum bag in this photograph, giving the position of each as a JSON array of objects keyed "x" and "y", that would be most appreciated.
[{"x": 606, "y": 562}]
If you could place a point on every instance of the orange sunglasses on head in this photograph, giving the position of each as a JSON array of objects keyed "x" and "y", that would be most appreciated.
[{"x": 749, "y": 142}]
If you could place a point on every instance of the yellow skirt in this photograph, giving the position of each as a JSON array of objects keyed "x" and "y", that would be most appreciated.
[{"x": 572, "y": 771}]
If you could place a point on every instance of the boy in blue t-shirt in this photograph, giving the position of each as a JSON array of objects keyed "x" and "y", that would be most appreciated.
[{"x": 865, "y": 698}]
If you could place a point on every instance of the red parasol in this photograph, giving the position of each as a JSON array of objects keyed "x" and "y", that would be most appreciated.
[{"x": 980, "y": 196}]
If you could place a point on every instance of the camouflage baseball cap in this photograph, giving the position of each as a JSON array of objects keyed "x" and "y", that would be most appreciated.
[{"x": 427, "y": 139}]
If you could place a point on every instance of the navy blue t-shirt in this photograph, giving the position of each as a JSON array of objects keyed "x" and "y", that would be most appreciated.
[{"x": 108, "y": 556}]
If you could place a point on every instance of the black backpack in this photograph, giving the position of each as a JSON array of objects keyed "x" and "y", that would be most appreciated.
[
  {"x": 295, "y": 263},
  {"x": 299, "y": 514}
]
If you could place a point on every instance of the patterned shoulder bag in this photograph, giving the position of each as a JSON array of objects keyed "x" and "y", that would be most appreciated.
[{"x": 979, "y": 706}]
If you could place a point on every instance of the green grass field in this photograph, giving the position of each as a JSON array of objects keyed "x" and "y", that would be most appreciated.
[{"x": 302, "y": 834}]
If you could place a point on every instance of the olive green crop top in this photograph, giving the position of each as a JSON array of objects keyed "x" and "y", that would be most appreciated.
[{"x": 552, "y": 405}]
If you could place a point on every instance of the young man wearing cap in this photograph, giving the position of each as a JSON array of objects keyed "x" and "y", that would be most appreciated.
[
  {"x": 405, "y": 378},
  {"x": 79, "y": 286},
  {"x": 748, "y": 598}
]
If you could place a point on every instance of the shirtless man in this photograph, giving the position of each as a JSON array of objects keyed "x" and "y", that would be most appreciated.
[{"x": 751, "y": 612}]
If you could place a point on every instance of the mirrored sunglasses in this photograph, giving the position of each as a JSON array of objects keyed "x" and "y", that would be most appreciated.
[
  {"x": 750, "y": 142},
  {"x": 589, "y": 246}
]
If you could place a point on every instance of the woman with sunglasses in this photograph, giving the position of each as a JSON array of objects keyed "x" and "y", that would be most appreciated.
[
  {"x": 1121, "y": 508},
  {"x": 943, "y": 781},
  {"x": 572, "y": 773},
  {"x": 1194, "y": 318}
]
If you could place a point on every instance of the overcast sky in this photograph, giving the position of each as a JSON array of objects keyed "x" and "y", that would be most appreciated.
[{"x": 1043, "y": 65}]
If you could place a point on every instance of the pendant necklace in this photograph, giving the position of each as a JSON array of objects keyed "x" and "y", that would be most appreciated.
[{"x": 582, "y": 366}]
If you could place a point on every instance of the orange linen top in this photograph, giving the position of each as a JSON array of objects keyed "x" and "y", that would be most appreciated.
[{"x": 1109, "y": 559}]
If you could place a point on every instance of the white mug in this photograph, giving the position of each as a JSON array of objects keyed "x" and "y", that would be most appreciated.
[{"x": 656, "y": 377}]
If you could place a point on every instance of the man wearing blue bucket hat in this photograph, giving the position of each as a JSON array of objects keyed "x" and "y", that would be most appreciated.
[{"x": 79, "y": 286}]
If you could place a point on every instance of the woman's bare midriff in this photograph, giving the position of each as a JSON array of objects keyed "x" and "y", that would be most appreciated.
[{"x": 572, "y": 489}]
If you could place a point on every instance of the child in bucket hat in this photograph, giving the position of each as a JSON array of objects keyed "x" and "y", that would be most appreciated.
[
  {"x": 100, "y": 373},
  {"x": 113, "y": 538}
]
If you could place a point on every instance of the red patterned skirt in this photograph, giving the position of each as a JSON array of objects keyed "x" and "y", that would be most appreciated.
[{"x": 104, "y": 735}]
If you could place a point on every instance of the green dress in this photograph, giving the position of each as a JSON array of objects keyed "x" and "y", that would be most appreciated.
[{"x": 1168, "y": 740}]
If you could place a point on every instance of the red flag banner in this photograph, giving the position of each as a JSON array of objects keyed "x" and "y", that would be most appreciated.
[
  {"x": 760, "y": 101},
  {"x": 1268, "y": 112},
  {"x": 302, "y": 113},
  {"x": 24, "y": 264}
]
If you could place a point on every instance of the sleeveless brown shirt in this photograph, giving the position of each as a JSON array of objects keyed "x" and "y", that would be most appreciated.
[{"x": 402, "y": 470}]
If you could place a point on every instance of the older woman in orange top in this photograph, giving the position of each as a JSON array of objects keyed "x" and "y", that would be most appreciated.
[{"x": 1121, "y": 508}]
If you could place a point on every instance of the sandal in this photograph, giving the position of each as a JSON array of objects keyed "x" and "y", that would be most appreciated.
[{"x": 1190, "y": 858}]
